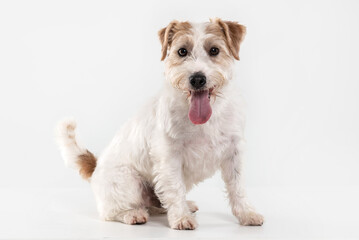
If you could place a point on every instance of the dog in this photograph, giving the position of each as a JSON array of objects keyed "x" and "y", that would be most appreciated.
[{"x": 191, "y": 129}]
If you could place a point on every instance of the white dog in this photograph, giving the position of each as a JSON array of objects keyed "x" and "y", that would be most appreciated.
[{"x": 190, "y": 130}]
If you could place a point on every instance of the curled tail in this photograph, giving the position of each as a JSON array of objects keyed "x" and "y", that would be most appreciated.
[{"x": 75, "y": 156}]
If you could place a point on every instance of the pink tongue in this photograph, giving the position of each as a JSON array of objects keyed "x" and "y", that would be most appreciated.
[{"x": 200, "y": 109}]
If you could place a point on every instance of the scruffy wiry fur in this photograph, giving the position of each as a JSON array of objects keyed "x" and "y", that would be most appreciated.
[{"x": 159, "y": 155}]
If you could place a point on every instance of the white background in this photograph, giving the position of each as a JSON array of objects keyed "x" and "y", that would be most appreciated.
[{"x": 100, "y": 61}]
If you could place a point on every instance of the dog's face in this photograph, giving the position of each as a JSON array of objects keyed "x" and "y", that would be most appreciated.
[{"x": 198, "y": 60}]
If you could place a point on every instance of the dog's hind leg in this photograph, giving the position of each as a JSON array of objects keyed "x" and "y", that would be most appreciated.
[{"x": 118, "y": 191}]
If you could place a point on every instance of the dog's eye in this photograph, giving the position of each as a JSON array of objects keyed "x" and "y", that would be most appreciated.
[
  {"x": 213, "y": 51},
  {"x": 182, "y": 52}
]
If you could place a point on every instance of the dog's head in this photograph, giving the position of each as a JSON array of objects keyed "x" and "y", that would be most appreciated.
[{"x": 199, "y": 59}]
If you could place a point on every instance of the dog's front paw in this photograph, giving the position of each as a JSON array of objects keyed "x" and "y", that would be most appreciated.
[
  {"x": 251, "y": 218},
  {"x": 186, "y": 222}
]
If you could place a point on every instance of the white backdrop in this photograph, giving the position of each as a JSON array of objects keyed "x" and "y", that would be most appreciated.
[{"x": 100, "y": 61}]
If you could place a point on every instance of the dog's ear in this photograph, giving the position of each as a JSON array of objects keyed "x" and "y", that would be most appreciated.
[
  {"x": 234, "y": 34},
  {"x": 166, "y": 35}
]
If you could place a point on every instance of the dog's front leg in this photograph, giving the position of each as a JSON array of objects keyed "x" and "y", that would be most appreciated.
[
  {"x": 171, "y": 191},
  {"x": 231, "y": 174}
]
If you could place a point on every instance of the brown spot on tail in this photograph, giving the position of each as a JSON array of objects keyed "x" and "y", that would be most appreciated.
[{"x": 87, "y": 163}]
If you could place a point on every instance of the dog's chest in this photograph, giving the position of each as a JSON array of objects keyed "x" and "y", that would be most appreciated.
[{"x": 202, "y": 156}]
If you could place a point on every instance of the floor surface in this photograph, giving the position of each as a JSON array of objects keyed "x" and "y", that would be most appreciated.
[{"x": 289, "y": 214}]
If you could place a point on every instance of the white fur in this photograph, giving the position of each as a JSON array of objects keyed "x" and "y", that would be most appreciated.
[
  {"x": 161, "y": 148},
  {"x": 65, "y": 136}
]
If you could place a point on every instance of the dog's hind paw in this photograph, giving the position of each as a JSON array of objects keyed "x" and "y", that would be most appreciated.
[
  {"x": 192, "y": 206},
  {"x": 135, "y": 216}
]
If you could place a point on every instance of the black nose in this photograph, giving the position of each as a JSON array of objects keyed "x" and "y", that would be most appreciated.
[{"x": 197, "y": 80}]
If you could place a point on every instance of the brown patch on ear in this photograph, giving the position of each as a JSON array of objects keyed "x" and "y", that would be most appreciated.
[
  {"x": 87, "y": 163},
  {"x": 234, "y": 34},
  {"x": 168, "y": 33}
]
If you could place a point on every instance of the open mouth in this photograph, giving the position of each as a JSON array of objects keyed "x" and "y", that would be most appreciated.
[{"x": 200, "y": 109}]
